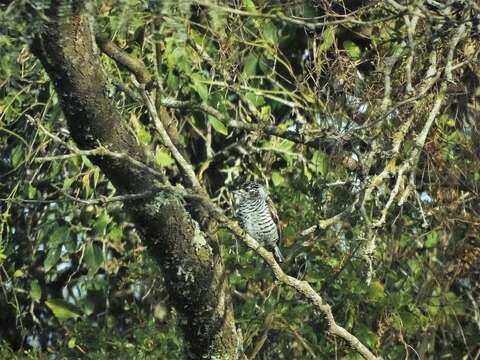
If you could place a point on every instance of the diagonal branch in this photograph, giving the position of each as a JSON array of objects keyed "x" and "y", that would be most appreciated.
[
  {"x": 302, "y": 287},
  {"x": 134, "y": 65},
  {"x": 186, "y": 167}
]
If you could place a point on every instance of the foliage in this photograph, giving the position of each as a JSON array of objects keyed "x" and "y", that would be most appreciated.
[{"x": 399, "y": 266}]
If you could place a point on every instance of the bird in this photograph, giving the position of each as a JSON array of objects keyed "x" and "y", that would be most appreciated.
[{"x": 258, "y": 217}]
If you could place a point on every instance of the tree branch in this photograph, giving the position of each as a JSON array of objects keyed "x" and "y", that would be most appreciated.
[
  {"x": 134, "y": 65},
  {"x": 182, "y": 162},
  {"x": 302, "y": 287}
]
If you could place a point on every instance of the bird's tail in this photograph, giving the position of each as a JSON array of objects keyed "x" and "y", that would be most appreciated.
[{"x": 278, "y": 254}]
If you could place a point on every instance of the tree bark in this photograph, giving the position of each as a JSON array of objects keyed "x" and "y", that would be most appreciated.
[{"x": 190, "y": 260}]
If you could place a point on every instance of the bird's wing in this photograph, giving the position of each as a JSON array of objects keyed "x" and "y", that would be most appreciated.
[{"x": 276, "y": 219}]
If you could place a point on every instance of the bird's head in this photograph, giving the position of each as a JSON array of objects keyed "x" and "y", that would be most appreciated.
[{"x": 250, "y": 191}]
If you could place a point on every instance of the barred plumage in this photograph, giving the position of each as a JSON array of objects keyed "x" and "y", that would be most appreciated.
[{"x": 258, "y": 217}]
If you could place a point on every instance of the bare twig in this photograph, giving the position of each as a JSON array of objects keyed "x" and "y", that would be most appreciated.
[
  {"x": 184, "y": 165},
  {"x": 411, "y": 163},
  {"x": 411, "y": 26},
  {"x": 261, "y": 341},
  {"x": 291, "y": 20},
  {"x": 106, "y": 200},
  {"x": 302, "y": 341},
  {"x": 459, "y": 34},
  {"x": 389, "y": 64},
  {"x": 100, "y": 151},
  {"x": 323, "y": 224}
]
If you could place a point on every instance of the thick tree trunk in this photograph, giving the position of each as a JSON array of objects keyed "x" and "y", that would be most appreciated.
[{"x": 190, "y": 261}]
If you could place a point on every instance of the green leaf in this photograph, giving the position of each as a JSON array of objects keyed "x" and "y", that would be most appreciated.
[
  {"x": 376, "y": 291},
  {"x": 52, "y": 258},
  {"x": 58, "y": 237},
  {"x": 86, "y": 182},
  {"x": 163, "y": 158},
  {"x": 18, "y": 273},
  {"x": 93, "y": 257},
  {"x": 353, "y": 50},
  {"x": 31, "y": 191},
  {"x": 62, "y": 309},
  {"x": 17, "y": 155},
  {"x": 307, "y": 173},
  {"x": 333, "y": 262},
  {"x": 450, "y": 122},
  {"x": 96, "y": 175},
  {"x": 367, "y": 336},
  {"x": 284, "y": 145},
  {"x": 180, "y": 59},
  {"x": 143, "y": 134},
  {"x": 172, "y": 81},
  {"x": 160, "y": 312},
  {"x": 270, "y": 33},
  {"x": 67, "y": 183},
  {"x": 141, "y": 131},
  {"x": 309, "y": 9},
  {"x": 72, "y": 342},
  {"x": 311, "y": 98},
  {"x": 199, "y": 86},
  {"x": 218, "y": 125},
  {"x": 35, "y": 290},
  {"x": 320, "y": 163},
  {"x": 432, "y": 239},
  {"x": 101, "y": 223},
  {"x": 2, "y": 253},
  {"x": 265, "y": 112},
  {"x": 250, "y": 65},
  {"x": 87, "y": 305},
  {"x": 413, "y": 265},
  {"x": 217, "y": 19},
  {"x": 328, "y": 38},
  {"x": 277, "y": 178},
  {"x": 250, "y": 6},
  {"x": 257, "y": 100},
  {"x": 115, "y": 233}
]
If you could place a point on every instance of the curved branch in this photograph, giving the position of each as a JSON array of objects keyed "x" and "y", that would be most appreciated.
[{"x": 134, "y": 65}]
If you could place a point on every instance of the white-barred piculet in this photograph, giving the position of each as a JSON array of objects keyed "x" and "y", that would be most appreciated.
[{"x": 258, "y": 217}]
